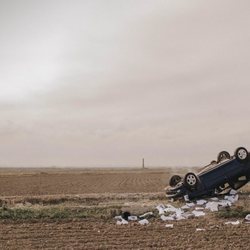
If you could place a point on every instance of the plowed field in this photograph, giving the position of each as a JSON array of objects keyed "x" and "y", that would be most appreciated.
[{"x": 83, "y": 190}]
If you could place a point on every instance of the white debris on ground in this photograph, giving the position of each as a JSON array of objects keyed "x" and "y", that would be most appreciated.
[
  {"x": 143, "y": 222},
  {"x": 197, "y": 208},
  {"x": 122, "y": 222},
  {"x": 233, "y": 222},
  {"x": 132, "y": 218},
  {"x": 200, "y": 229},
  {"x": 247, "y": 218},
  {"x": 146, "y": 214},
  {"x": 198, "y": 213},
  {"x": 169, "y": 225}
]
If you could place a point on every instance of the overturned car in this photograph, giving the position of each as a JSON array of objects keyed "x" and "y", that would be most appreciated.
[{"x": 228, "y": 172}]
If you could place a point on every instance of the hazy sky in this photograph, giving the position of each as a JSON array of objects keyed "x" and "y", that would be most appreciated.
[{"x": 105, "y": 83}]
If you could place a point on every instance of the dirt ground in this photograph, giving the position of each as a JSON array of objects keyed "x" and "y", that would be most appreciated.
[{"x": 137, "y": 191}]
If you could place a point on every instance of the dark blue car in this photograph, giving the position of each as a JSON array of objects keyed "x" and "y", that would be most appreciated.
[{"x": 228, "y": 172}]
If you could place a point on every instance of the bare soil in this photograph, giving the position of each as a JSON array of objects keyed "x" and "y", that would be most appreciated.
[{"x": 136, "y": 191}]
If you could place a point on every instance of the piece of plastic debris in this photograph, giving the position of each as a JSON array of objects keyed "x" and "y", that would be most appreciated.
[
  {"x": 247, "y": 217},
  {"x": 121, "y": 222},
  {"x": 166, "y": 218},
  {"x": 233, "y": 192},
  {"x": 198, "y": 213},
  {"x": 201, "y": 202},
  {"x": 186, "y": 198},
  {"x": 212, "y": 206},
  {"x": 146, "y": 214},
  {"x": 132, "y": 217},
  {"x": 233, "y": 222},
  {"x": 169, "y": 225},
  {"x": 200, "y": 229},
  {"x": 143, "y": 222}
]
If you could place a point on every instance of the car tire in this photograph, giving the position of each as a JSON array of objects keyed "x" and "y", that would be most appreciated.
[
  {"x": 222, "y": 156},
  {"x": 241, "y": 155},
  {"x": 190, "y": 181},
  {"x": 174, "y": 180}
]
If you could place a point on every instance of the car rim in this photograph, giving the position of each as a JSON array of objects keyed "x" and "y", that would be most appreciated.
[
  {"x": 242, "y": 154},
  {"x": 191, "y": 180}
]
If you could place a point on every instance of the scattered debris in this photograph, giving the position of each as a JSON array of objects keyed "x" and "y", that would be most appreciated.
[
  {"x": 232, "y": 192},
  {"x": 199, "y": 208},
  {"x": 200, "y": 229},
  {"x": 119, "y": 217},
  {"x": 247, "y": 217},
  {"x": 190, "y": 210},
  {"x": 165, "y": 218},
  {"x": 169, "y": 225},
  {"x": 143, "y": 222},
  {"x": 201, "y": 202},
  {"x": 132, "y": 218},
  {"x": 212, "y": 206},
  {"x": 148, "y": 214},
  {"x": 161, "y": 209},
  {"x": 122, "y": 222},
  {"x": 233, "y": 222},
  {"x": 198, "y": 213},
  {"x": 190, "y": 204}
]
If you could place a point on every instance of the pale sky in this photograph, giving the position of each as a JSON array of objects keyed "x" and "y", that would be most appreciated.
[{"x": 105, "y": 83}]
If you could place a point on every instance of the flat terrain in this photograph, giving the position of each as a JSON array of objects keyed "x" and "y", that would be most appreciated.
[{"x": 74, "y": 209}]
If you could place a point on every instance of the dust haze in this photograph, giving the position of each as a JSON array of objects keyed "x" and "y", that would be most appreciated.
[{"x": 105, "y": 83}]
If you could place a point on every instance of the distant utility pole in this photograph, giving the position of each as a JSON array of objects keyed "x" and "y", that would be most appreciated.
[{"x": 143, "y": 166}]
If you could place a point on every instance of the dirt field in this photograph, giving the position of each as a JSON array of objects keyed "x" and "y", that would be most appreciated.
[{"x": 93, "y": 198}]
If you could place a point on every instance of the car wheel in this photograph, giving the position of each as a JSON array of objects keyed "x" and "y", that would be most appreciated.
[
  {"x": 174, "y": 180},
  {"x": 190, "y": 180},
  {"x": 223, "y": 155},
  {"x": 241, "y": 154}
]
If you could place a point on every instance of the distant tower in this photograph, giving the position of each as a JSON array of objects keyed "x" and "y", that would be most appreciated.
[{"x": 143, "y": 166}]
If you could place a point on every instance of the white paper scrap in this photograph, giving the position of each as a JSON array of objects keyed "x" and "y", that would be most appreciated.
[
  {"x": 233, "y": 192},
  {"x": 212, "y": 206},
  {"x": 119, "y": 217},
  {"x": 185, "y": 207},
  {"x": 201, "y": 202},
  {"x": 232, "y": 198},
  {"x": 214, "y": 199},
  {"x": 121, "y": 222},
  {"x": 247, "y": 217},
  {"x": 161, "y": 209},
  {"x": 132, "y": 217},
  {"x": 170, "y": 208},
  {"x": 233, "y": 222},
  {"x": 190, "y": 204},
  {"x": 146, "y": 214},
  {"x": 169, "y": 225},
  {"x": 198, "y": 213},
  {"x": 199, "y": 208},
  {"x": 200, "y": 229},
  {"x": 166, "y": 218},
  {"x": 143, "y": 222}
]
